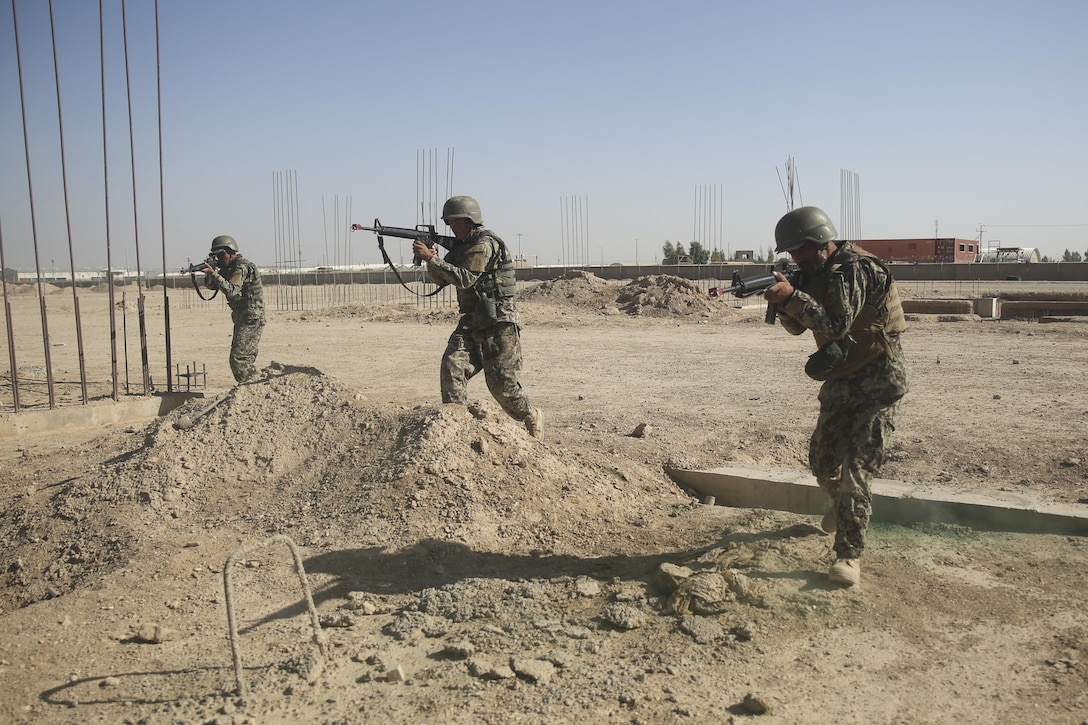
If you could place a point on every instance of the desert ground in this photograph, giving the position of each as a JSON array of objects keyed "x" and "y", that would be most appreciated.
[{"x": 461, "y": 571}]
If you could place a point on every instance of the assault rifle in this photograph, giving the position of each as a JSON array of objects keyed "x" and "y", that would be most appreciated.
[
  {"x": 759, "y": 283},
  {"x": 212, "y": 261},
  {"x": 423, "y": 232}
]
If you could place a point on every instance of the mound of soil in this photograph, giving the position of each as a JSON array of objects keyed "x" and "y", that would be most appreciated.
[
  {"x": 663, "y": 295},
  {"x": 311, "y": 457}
]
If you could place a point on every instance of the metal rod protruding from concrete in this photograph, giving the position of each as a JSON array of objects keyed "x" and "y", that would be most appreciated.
[{"x": 319, "y": 638}]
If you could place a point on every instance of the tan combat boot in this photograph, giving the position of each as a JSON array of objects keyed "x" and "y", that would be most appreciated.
[
  {"x": 534, "y": 423},
  {"x": 845, "y": 571}
]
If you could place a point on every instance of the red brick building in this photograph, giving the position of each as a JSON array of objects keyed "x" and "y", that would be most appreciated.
[{"x": 948, "y": 251}]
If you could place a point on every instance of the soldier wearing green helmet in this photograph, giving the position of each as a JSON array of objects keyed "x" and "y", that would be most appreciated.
[
  {"x": 240, "y": 282},
  {"x": 488, "y": 335},
  {"x": 849, "y": 301}
]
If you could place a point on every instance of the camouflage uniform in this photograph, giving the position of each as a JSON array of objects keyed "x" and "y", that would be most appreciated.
[
  {"x": 853, "y": 297},
  {"x": 240, "y": 283},
  {"x": 488, "y": 335}
]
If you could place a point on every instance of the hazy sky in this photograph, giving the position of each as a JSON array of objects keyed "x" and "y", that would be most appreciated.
[{"x": 594, "y": 129}]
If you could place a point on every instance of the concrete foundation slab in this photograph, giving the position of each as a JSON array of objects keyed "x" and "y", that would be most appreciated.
[
  {"x": 895, "y": 502},
  {"x": 103, "y": 412}
]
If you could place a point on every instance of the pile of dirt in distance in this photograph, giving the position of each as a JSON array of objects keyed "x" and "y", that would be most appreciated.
[
  {"x": 664, "y": 295},
  {"x": 581, "y": 290},
  {"x": 301, "y": 454}
]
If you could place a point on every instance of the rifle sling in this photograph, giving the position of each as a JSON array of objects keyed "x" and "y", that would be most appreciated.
[
  {"x": 385, "y": 256},
  {"x": 192, "y": 276}
]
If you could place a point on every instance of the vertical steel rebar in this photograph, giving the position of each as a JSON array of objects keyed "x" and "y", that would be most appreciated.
[
  {"x": 145, "y": 371},
  {"x": 8, "y": 323},
  {"x": 67, "y": 213},
  {"x": 112, "y": 296},
  {"x": 162, "y": 204},
  {"x": 33, "y": 222}
]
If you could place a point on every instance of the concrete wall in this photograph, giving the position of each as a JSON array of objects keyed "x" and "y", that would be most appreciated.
[
  {"x": 1042, "y": 272},
  {"x": 1039, "y": 272}
]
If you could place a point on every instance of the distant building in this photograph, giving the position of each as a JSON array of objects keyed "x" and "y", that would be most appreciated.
[{"x": 947, "y": 251}]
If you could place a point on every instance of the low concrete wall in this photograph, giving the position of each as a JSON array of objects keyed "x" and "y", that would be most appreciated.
[
  {"x": 1032, "y": 309},
  {"x": 939, "y": 307},
  {"x": 894, "y": 502},
  {"x": 96, "y": 413}
]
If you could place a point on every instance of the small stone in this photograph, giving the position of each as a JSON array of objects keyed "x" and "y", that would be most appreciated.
[
  {"x": 536, "y": 671},
  {"x": 460, "y": 650},
  {"x": 756, "y": 705},
  {"x": 155, "y": 634},
  {"x": 586, "y": 587},
  {"x": 624, "y": 616}
]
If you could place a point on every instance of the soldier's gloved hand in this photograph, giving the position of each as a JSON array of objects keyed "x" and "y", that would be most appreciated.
[
  {"x": 423, "y": 251},
  {"x": 780, "y": 291}
]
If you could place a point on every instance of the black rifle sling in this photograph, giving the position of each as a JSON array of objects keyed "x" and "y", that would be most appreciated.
[
  {"x": 192, "y": 276},
  {"x": 385, "y": 256}
]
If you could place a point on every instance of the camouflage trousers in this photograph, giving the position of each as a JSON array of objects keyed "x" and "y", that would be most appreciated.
[
  {"x": 243, "y": 350},
  {"x": 497, "y": 351},
  {"x": 856, "y": 422}
]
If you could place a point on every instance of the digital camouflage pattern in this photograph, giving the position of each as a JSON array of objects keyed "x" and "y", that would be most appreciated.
[
  {"x": 240, "y": 283},
  {"x": 487, "y": 340},
  {"x": 497, "y": 351},
  {"x": 857, "y": 412},
  {"x": 854, "y": 428},
  {"x": 466, "y": 267}
]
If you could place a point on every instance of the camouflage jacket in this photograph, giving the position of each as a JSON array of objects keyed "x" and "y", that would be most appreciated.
[
  {"x": 240, "y": 283},
  {"x": 469, "y": 267},
  {"x": 853, "y": 298}
]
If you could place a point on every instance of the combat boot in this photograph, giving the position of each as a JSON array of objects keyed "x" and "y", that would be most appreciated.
[
  {"x": 845, "y": 571},
  {"x": 534, "y": 423}
]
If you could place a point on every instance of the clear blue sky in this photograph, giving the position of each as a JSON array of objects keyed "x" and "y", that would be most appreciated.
[{"x": 952, "y": 114}]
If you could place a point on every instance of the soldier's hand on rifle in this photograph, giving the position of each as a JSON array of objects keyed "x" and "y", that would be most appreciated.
[
  {"x": 423, "y": 251},
  {"x": 780, "y": 291}
]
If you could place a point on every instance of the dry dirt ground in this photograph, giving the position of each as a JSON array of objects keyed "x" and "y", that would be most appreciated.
[{"x": 463, "y": 572}]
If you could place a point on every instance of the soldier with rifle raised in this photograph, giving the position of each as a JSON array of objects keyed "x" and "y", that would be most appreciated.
[
  {"x": 850, "y": 302},
  {"x": 227, "y": 271},
  {"x": 488, "y": 334}
]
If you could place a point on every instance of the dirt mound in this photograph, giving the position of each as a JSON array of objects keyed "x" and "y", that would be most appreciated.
[
  {"x": 302, "y": 454},
  {"x": 582, "y": 290},
  {"x": 663, "y": 295}
]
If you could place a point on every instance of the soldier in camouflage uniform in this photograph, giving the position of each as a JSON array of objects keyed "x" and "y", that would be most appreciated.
[
  {"x": 240, "y": 282},
  {"x": 488, "y": 335},
  {"x": 850, "y": 302}
]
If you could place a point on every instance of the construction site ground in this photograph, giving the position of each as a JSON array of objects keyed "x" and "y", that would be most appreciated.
[{"x": 463, "y": 572}]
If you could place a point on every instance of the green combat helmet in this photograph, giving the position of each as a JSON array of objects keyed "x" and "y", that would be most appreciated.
[
  {"x": 804, "y": 224},
  {"x": 462, "y": 207},
  {"x": 224, "y": 243}
]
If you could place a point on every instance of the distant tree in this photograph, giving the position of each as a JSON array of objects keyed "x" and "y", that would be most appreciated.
[
  {"x": 1044, "y": 259},
  {"x": 668, "y": 253},
  {"x": 1071, "y": 256},
  {"x": 717, "y": 256},
  {"x": 674, "y": 254},
  {"x": 699, "y": 255}
]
